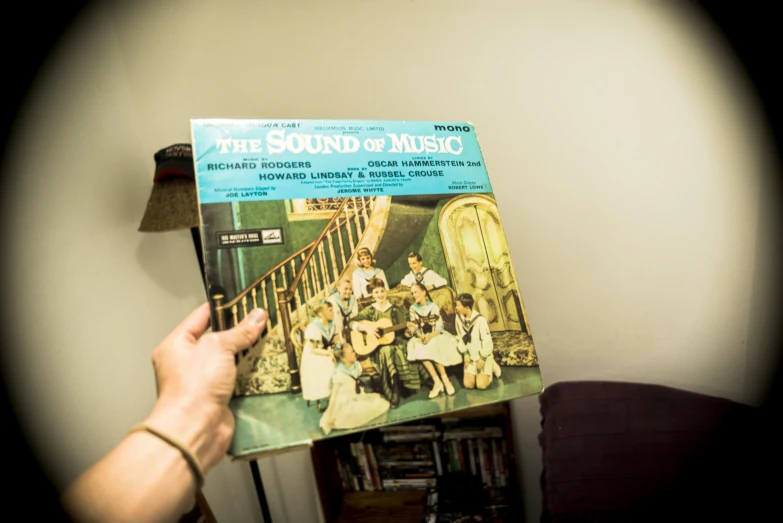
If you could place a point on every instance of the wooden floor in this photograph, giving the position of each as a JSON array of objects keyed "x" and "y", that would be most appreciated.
[{"x": 404, "y": 506}]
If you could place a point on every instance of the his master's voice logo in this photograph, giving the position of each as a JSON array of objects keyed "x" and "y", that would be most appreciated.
[
  {"x": 272, "y": 236},
  {"x": 250, "y": 238}
]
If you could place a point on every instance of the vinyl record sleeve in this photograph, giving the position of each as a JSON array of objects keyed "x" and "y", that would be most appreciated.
[{"x": 378, "y": 250}]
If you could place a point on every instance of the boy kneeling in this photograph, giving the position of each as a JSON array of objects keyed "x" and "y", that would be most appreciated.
[{"x": 475, "y": 343}]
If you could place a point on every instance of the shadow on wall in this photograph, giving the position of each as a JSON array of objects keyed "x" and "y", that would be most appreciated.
[{"x": 170, "y": 260}]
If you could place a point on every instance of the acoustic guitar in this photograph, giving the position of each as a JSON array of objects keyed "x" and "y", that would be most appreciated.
[{"x": 382, "y": 333}]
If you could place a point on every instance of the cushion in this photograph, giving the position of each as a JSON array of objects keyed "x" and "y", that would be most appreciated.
[{"x": 617, "y": 451}]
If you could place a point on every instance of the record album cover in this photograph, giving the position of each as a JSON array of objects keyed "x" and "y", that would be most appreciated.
[{"x": 378, "y": 249}]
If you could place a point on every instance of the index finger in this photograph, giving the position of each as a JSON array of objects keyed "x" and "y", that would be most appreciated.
[{"x": 196, "y": 323}]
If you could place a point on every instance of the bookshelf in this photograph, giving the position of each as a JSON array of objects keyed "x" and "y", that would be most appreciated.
[{"x": 345, "y": 474}]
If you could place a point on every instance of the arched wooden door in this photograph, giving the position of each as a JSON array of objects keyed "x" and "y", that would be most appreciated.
[{"x": 479, "y": 262}]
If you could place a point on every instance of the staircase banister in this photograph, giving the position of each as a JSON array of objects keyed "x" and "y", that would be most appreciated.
[
  {"x": 312, "y": 246},
  {"x": 295, "y": 282}
]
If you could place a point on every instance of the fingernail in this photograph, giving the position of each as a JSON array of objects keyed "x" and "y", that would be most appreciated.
[{"x": 256, "y": 316}]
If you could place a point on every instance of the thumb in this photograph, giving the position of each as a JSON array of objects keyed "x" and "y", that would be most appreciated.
[{"x": 245, "y": 333}]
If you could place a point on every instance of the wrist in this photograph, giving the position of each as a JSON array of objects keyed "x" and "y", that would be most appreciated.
[
  {"x": 182, "y": 462},
  {"x": 188, "y": 426}
]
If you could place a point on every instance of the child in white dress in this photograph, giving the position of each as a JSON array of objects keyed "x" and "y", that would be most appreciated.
[
  {"x": 349, "y": 406},
  {"x": 430, "y": 343},
  {"x": 366, "y": 271},
  {"x": 317, "y": 367},
  {"x": 345, "y": 306}
]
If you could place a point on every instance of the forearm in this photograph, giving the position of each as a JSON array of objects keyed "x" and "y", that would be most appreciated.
[
  {"x": 145, "y": 478},
  {"x": 142, "y": 479}
]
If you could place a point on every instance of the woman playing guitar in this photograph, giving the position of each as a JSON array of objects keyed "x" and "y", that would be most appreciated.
[{"x": 391, "y": 360}]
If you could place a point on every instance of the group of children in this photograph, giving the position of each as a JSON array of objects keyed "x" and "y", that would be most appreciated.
[{"x": 421, "y": 348}]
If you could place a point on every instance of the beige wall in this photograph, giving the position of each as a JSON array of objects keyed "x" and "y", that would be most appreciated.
[{"x": 623, "y": 148}]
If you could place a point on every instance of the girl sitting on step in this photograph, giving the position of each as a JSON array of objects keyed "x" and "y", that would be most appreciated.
[
  {"x": 349, "y": 406},
  {"x": 430, "y": 343}
]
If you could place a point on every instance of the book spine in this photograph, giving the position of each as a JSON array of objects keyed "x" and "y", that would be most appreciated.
[
  {"x": 361, "y": 460},
  {"x": 406, "y": 464},
  {"x": 408, "y": 484},
  {"x": 455, "y": 456},
  {"x": 488, "y": 432},
  {"x": 356, "y": 470},
  {"x": 407, "y": 474},
  {"x": 410, "y": 481},
  {"x": 344, "y": 482},
  {"x": 483, "y": 462},
  {"x": 504, "y": 463},
  {"x": 376, "y": 480},
  {"x": 488, "y": 462},
  {"x": 357, "y": 467},
  {"x": 352, "y": 468},
  {"x": 409, "y": 428},
  {"x": 479, "y": 463},
  {"x": 369, "y": 484},
  {"x": 495, "y": 462},
  {"x": 436, "y": 457},
  {"x": 472, "y": 455},
  {"x": 410, "y": 436},
  {"x": 431, "y": 507},
  {"x": 398, "y": 458}
]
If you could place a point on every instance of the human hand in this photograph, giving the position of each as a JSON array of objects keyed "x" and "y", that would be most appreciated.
[
  {"x": 480, "y": 365},
  {"x": 467, "y": 361},
  {"x": 195, "y": 375}
]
